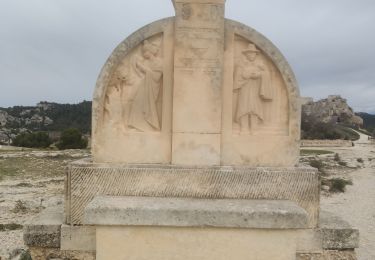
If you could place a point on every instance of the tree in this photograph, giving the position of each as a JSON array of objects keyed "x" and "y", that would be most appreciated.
[
  {"x": 72, "y": 139},
  {"x": 32, "y": 140}
]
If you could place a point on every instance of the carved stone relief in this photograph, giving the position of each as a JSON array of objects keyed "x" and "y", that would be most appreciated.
[
  {"x": 198, "y": 14},
  {"x": 133, "y": 100},
  {"x": 260, "y": 103}
]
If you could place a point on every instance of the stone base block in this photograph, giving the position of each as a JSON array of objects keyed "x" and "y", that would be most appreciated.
[
  {"x": 190, "y": 229},
  {"x": 78, "y": 238},
  {"x": 87, "y": 180},
  {"x": 337, "y": 234},
  {"x": 48, "y": 238},
  {"x": 160, "y": 243},
  {"x": 178, "y": 212},
  {"x": 45, "y": 229}
]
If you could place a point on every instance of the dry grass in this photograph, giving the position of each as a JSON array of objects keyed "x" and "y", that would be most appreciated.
[{"x": 305, "y": 152}]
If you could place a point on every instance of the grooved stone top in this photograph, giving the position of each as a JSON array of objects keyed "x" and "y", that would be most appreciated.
[{"x": 188, "y": 212}]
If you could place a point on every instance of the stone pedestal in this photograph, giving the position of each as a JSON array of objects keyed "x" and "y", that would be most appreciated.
[
  {"x": 191, "y": 244},
  {"x": 189, "y": 229},
  {"x": 47, "y": 237}
]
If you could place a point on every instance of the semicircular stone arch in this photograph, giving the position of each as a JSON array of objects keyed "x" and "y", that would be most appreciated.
[
  {"x": 121, "y": 137},
  {"x": 275, "y": 140}
]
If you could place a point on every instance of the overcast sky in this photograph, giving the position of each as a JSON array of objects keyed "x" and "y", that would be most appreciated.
[{"x": 53, "y": 50}]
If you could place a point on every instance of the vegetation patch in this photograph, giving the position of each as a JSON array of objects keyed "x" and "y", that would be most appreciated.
[
  {"x": 21, "y": 254},
  {"x": 10, "y": 227},
  {"x": 338, "y": 185},
  {"x": 342, "y": 163},
  {"x": 72, "y": 139},
  {"x": 313, "y": 129},
  {"x": 20, "y": 207},
  {"x": 24, "y": 185},
  {"x": 25, "y": 255},
  {"x": 30, "y": 167},
  {"x": 305, "y": 152},
  {"x": 368, "y": 122},
  {"x": 318, "y": 164},
  {"x": 32, "y": 140}
]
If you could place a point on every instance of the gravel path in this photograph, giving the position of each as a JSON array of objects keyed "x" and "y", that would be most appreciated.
[{"x": 357, "y": 204}]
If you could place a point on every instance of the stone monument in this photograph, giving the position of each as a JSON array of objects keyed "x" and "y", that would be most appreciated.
[{"x": 195, "y": 146}]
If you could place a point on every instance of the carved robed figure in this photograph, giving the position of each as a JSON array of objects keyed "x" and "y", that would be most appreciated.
[
  {"x": 135, "y": 91},
  {"x": 253, "y": 87}
]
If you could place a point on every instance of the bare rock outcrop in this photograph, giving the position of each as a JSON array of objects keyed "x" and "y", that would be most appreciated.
[{"x": 333, "y": 109}]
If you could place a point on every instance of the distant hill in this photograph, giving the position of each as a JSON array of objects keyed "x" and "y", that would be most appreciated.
[
  {"x": 329, "y": 118},
  {"x": 333, "y": 109},
  {"x": 368, "y": 121},
  {"x": 45, "y": 116},
  {"x": 324, "y": 119}
]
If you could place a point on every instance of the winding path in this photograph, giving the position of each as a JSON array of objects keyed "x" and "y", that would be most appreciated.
[{"x": 357, "y": 204}]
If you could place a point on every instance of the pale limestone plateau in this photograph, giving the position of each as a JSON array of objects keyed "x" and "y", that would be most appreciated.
[{"x": 195, "y": 142}]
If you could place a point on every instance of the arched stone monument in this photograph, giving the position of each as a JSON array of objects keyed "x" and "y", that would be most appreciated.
[
  {"x": 195, "y": 142},
  {"x": 197, "y": 98}
]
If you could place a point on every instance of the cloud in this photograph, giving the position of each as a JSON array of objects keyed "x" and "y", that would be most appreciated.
[{"x": 54, "y": 50}]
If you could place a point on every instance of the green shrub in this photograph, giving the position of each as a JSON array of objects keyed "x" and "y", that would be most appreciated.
[
  {"x": 339, "y": 185},
  {"x": 318, "y": 165},
  {"x": 72, "y": 139},
  {"x": 305, "y": 152},
  {"x": 312, "y": 128},
  {"x": 25, "y": 256},
  {"x": 32, "y": 140},
  {"x": 343, "y": 163},
  {"x": 20, "y": 207},
  {"x": 10, "y": 227}
]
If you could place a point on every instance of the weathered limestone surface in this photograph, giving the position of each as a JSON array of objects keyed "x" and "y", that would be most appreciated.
[
  {"x": 78, "y": 238},
  {"x": 337, "y": 234},
  {"x": 274, "y": 140},
  {"x": 87, "y": 180},
  {"x": 211, "y": 120},
  {"x": 185, "y": 212},
  {"x": 45, "y": 229},
  {"x": 121, "y": 132},
  {"x": 198, "y": 70},
  {"x": 160, "y": 243},
  {"x": 309, "y": 240}
]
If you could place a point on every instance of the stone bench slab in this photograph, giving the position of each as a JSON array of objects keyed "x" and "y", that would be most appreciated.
[{"x": 187, "y": 212}]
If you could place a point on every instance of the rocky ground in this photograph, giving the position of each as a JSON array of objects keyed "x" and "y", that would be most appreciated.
[
  {"x": 33, "y": 180},
  {"x": 357, "y": 204},
  {"x": 29, "y": 182},
  {"x": 355, "y": 165}
]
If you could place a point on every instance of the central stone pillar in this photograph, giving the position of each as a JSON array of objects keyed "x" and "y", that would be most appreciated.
[{"x": 198, "y": 70}]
